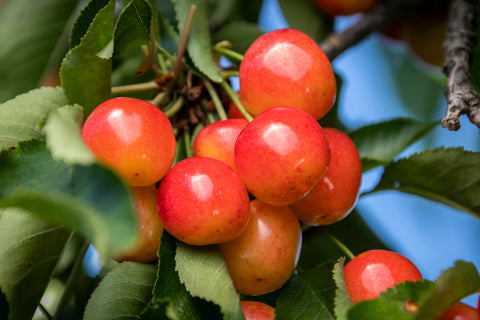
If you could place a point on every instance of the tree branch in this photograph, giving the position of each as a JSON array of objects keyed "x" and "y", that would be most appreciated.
[
  {"x": 458, "y": 49},
  {"x": 374, "y": 20}
]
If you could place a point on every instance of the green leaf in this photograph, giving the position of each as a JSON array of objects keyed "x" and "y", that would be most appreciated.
[
  {"x": 21, "y": 118},
  {"x": 342, "y": 299},
  {"x": 199, "y": 46},
  {"x": 132, "y": 28},
  {"x": 123, "y": 293},
  {"x": 378, "y": 144},
  {"x": 241, "y": 34},
  {"x": 204, "y": 273},
  {"x": 303, "y": 15},
  {"x": 391, "y": 303},
  {"x": 171, "y": 299},
  {"x": 308, "y": 295},
  {"x": 454, "y": 284},
  {"x": 86, "y": 69},
  {"x": 63, "y": 132},
  {"x": 29, "y": 251},
  {"x": 450, "y": 176},
  {"x": 31, "y": 34},
  {"x": 90, "y": 199}
]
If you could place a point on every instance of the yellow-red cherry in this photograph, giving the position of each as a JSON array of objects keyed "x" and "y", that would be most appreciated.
[
  {"x": 133, "y": 137},
  {"x": 286, "y": 67},
  {"x": 217, "y": 140},
  {"x": 460, "y": 311},
  {"x": 256, "y": 310},
  {"x": 264, "y": 256},
  {"x": 149, "y": 226},
  {"x": 202, "y": 201},
  {"x": 335, "y": 195},
  {"x": 281, "y": 155},
  {"x": 374, "y": 271}
]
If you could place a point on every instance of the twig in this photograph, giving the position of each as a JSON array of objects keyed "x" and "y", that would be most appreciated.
[
  {"x": 458, "y": 50},
  {"x": 374, "y": 20},
  {"x": 183, "y": 43}
]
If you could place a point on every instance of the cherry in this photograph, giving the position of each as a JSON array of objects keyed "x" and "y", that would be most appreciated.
[
  {"x": 286, "y": 67},
  {"x": 335, "y": 195},
  {"x": 255, "y": 310},
  {"x": 344, "y": 7},
  {"x": 149, "y": 225},
  {"x": 217, "y": 140},
  {"x": 374, "y": 271},
  {"x": 133, "y": 137},
  {"x": 281, "y": 155},
  {"x": 202, "y": 201},
  {"x": 265, "y": 255},
  {"x": 460, "y": 311}
]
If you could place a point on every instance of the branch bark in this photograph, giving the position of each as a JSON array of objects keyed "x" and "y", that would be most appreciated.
[{"x": 459, "y": 46}]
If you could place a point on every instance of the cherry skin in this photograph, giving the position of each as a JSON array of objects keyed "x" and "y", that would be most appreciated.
[
  {"x": 460, "y": 311},
  {"x": 149, "y": 226},
  {"x": 344, "y": 7},
  {"x": 202, "y": 201},
  {"x": 335, "y": 195},
  {"x": 286, "y": 67},
  {"x": 133, "y": 137},
  {"x": 281, "y": 155},
  {"x": 265, "y": 255},
  {"x": 217, "y": 140},
  {"x": 374, "y": 271},
  {"x": 255, "y": 310}
]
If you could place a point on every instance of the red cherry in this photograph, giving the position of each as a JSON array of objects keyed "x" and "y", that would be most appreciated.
[
  {"x": 255, "y": 310},
  {"x": 281, "y": 154},
  {"x": 335, "y": 195},
  {"x": 133, "y": 137},
  {"x": 202, "y": 201},
  {"x": 286, "y": 67},
  {"x": 217, "y": 140},
  {"x": 374, "y": 271},
  {"x": 264, "y": 256},
  {"x": 460, "y": 311}
]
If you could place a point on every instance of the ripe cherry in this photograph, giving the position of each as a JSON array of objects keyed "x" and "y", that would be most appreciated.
[
  {"x": 133, "y": 137},
  {"x": 286, "y": 67},
  {"x": 265, "y": 255},
  {"x": 335, "y": 195},
  {"x": 149, "y": 226},
  {"x": 344, "y": 7},
  {"x": 460, "y": 311},
  {"x": 217, "y": 140},
  {"x": 255, "y": 310},
  {"x": 202, "y": 201},
  {"x": 281, "y": 155},
  {"x": 374, "y": 271}
]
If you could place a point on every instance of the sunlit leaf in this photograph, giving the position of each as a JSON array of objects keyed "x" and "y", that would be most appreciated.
[
  {"x": 29, "y": 251},
  {"x": 342, "y": 299},
  {"x": 204, "y": 273},
  {"x": 21, "y": 118},
  {"x": 199, "y": 46},
  {"x": 86, "y": 69},
  {"x": 31, "y": 34},
  {"x": 123, "y": 293},
  {"x": 450, "y": 176},
  {"x": 379, "y": 143}
]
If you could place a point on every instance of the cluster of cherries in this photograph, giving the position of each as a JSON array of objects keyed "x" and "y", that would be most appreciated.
[{"x": 250, "y": 184}]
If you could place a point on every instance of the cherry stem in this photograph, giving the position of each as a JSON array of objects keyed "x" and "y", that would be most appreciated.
[
  {"x": 216, "y": 100},
  {"x": 188, "y": 142},
  {"x": 132, "y": 88},
  {"x": 338, "y": 243},
  {"x": 44, "y": 311},
  {"x": 177, "y": 67},
  {"x": 220, "y": 48},
  {"x": 69, "y": 285},
  {"x": 230, "y": 73},
  {"x": 174, "y": 108},
  {"x": 236, "y": 100}
]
